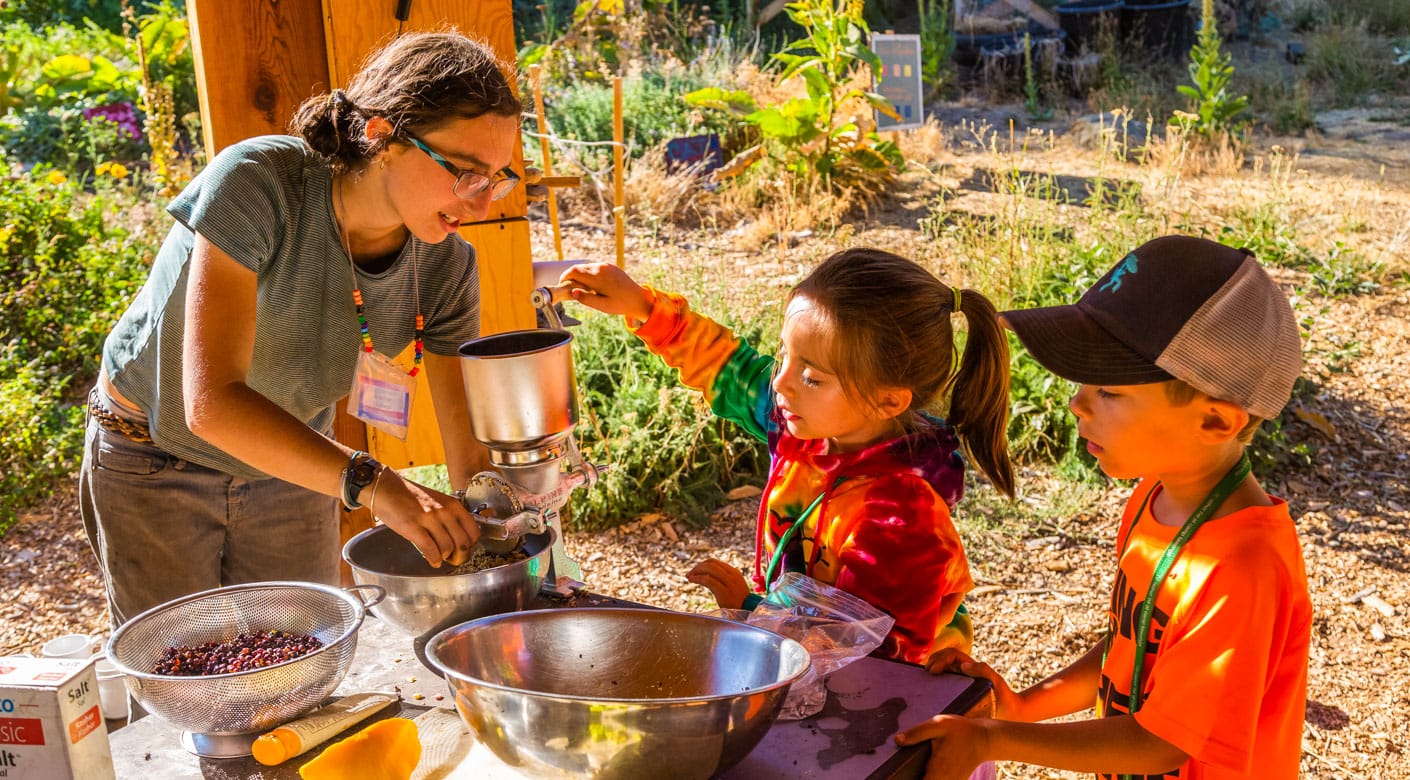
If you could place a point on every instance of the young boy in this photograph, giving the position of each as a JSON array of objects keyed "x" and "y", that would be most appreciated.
[{"x": 1181, "y": 350}]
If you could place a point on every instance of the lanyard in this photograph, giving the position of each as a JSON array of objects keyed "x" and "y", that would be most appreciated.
[
  {"x": 788, "y": 537},
  {"x": 1202, "y": 513},
  {"x": 357, "y": 291}
]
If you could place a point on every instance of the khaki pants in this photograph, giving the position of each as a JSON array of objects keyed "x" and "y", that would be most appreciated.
[{"x": 163, "y": 527}]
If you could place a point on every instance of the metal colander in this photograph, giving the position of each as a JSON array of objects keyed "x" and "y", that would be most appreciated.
[{"x": 247, "y": 701}]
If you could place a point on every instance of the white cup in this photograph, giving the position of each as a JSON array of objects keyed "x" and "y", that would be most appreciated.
[
  {"x": 112, "y": 691},
  {"x": 70, "y": 646}
]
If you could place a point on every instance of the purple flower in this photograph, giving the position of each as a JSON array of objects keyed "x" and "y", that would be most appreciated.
[{"x": 123, "y": 114}]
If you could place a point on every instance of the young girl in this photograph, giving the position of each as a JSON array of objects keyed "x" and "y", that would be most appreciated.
[
  {"x": 292, "y": 262},
  {"x": 861, "y": 479}
]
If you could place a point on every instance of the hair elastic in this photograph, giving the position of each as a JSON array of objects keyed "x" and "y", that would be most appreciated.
[{"x": 958, "y": 292}]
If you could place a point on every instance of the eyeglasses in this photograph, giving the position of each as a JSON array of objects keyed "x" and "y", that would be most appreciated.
[{"x": 468, "y": 184}]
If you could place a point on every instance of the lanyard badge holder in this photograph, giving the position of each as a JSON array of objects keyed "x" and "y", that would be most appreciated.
[{"x": 382, "y": 393}]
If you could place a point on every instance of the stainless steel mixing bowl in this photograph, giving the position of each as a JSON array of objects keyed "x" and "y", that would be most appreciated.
[
  {"x": 617, "y": 693},
  {"x": 248, "y": 701},
  {"x": 421, "y": 599}
]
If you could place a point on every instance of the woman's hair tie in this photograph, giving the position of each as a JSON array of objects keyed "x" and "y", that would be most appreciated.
[{"x": 958, "y": 292}]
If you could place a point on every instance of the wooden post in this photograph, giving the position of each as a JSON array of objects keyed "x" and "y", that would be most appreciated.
[
  {"x": 541, "y": 117},
  {"x": 619, "y": 173},
  {"x": 255, "y": 63}
]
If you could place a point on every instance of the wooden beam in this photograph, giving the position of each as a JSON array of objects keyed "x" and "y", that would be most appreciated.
[
  {"x": 545, "y": 149},
  {"x": 619, "y": 173},
  {"x": 256, "y": 61}
]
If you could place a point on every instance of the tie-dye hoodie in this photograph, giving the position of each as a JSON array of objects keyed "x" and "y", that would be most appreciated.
[{"x": 882, "y": 529}]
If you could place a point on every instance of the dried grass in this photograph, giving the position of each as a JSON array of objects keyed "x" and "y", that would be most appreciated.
[{"x": 1183, "y": 154}]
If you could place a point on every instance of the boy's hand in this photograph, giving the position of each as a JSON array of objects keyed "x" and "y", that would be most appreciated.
[
  {"x": 607, "y": 288},
  {"x": 1006, "y": 703},
  {"x": 723, "y": 580},
  {"x": 958, "y": 745}
]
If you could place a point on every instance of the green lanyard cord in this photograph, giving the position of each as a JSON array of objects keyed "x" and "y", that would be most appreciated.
[
  {"x": 1197, "y": 518},
  {"x": 788, "y": 537}
]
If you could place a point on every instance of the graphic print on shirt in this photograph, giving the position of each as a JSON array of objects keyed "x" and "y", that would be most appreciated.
[{"x": 1114, "y": 696}]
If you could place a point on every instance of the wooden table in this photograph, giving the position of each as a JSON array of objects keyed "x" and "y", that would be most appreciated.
[{"x": 868, "y": 702}]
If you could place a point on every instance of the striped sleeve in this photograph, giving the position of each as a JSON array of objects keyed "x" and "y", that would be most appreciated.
[{"x": 239, "y": 203}]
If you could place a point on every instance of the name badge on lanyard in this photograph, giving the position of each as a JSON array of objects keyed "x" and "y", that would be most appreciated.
[{"x": 381, "y": 394}]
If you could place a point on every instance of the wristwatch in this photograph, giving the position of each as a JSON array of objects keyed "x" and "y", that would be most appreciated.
[{"x": 360, "y": 472}]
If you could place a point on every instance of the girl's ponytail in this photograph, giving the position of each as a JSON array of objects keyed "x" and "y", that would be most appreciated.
[{"x": 979, "y": 403}]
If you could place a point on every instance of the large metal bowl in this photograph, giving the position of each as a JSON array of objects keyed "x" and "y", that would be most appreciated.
[
  {"x": 617, "y": 693},
  {"x": 240, "y": 702},
  {"x": 422, "y": 600}
]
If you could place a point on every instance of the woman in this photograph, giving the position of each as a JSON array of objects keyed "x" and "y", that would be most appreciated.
[{"x": 295, "y": 263}]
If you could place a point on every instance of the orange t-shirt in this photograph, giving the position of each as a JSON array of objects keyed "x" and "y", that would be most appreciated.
[{"x": 1225, "y": 677}]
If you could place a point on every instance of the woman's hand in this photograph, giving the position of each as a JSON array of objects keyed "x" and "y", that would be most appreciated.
[
  {"x": 1007, "y": 703},
  {"x": 439, "y": 525},
  {"x": 958, "y": 745},
  {"x": 607, "y": 288},
  {"x": 723, "y": 580}
]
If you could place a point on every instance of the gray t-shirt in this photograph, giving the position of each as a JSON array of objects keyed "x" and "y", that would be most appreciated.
[{"x": 267, "y": 202}]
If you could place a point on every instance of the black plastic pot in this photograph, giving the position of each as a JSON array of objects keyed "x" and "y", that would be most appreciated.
[
  {"x": 1086, "y": 21},
  {"x": 969, "y": 49},
  {"x": 1158, "y": 30}
]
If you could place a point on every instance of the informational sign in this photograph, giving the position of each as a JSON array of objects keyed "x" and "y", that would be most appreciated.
[{"x": 900, "y": 80}]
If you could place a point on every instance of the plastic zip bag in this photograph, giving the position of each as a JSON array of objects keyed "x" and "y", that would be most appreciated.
[{"x": 834, "y": 626}]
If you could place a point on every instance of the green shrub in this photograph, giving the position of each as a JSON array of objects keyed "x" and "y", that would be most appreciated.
[
  {"x": 64, "y": 138},
  {"x": 666, "y": 450},
  {"x": 103, "y": 14},
  {"x": 67, "y": 272},
  {"x": 816, "y": 136},
  {"x": 653, "y": 113},
  {"x": 1349, "y": 63},
  {"x": 72, "y": 95}
]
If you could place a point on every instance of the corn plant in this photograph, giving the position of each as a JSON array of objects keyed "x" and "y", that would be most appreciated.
[
  {"x": 1034, "y": 100},
  {"x": 937, "y": 42}
]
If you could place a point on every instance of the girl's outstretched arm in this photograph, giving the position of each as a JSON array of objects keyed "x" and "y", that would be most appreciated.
[{"x": 609, "y": 289}]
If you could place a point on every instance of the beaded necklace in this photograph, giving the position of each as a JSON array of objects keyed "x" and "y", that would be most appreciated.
[{"x": 357, "y": 291}]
